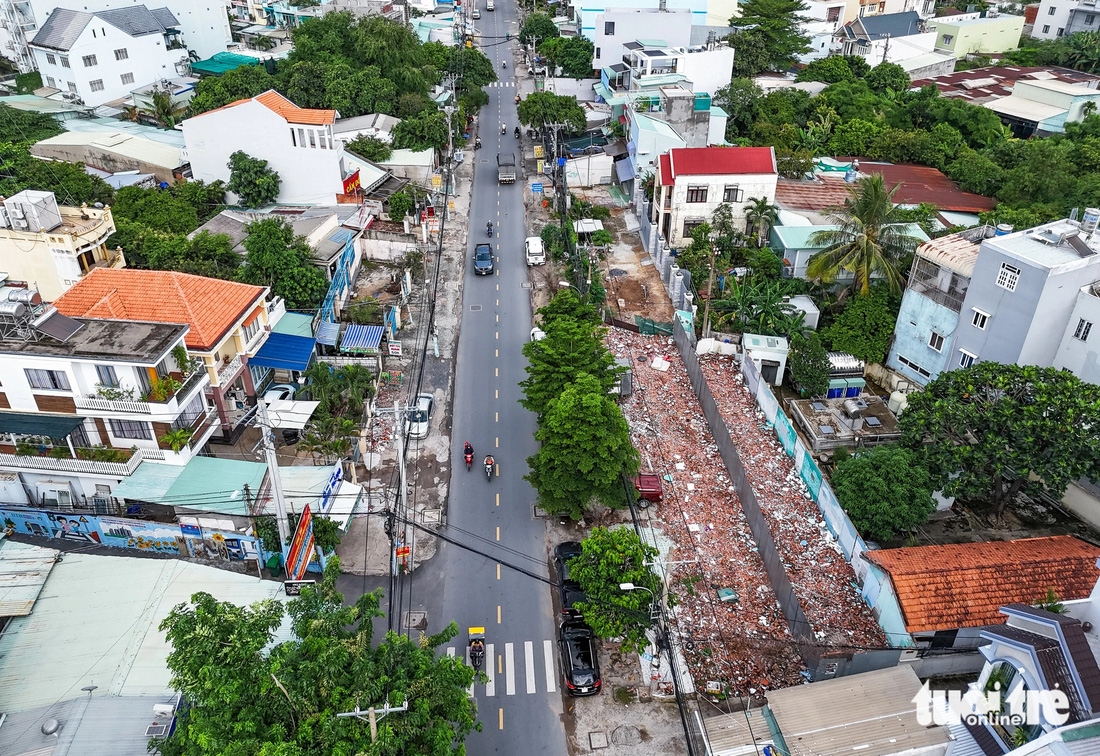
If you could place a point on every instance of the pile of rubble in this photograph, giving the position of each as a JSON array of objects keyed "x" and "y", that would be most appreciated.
[
  {"x": 739, "y": 639},
  {"x": 822, "y": 578}
]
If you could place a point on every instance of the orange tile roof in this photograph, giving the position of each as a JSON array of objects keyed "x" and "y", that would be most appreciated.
[
  {"x": 966, "y": 584},
  {"x": 211, "y": 306},
  {"x": 283, "y": 107}
]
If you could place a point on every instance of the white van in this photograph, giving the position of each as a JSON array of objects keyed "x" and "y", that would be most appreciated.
[
  {"x": 476, "y": 13},
  {"x": 489, "y": 5},
  {"x": 533, "y": 251}
]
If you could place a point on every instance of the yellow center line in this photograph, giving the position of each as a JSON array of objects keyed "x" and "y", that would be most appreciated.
[
  {"x": 498, "y": 504},
  {"x": 496, "y": 417},
  {"x": 497, "y": 352},
  {"x": 498, "y": 612},
  {"x": 498, "y": 301},
  {"x": 496, "y": 393},
  {"x": 498, "y": 571},
  {"x": 501, "y": 719},
  {"x": 498, "y": 532},
  {"x": 498, "y": 442},
  {"x": 498, "y": 336},
  {"x": 498, "y": 289},
  {"x": 498, "y": 317}
]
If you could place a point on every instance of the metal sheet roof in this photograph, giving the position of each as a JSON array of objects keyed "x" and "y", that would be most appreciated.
[
  {"x": 213, "y": 484},
  {"x": 38, "y": 424},
  {"x": 362, "y": 338},
  {"x": 295, "y": 324},
  {"x": 95, "y": 623},
  {"x": 1018, "y": 106},
  {"x": 103, "y": 726},
  {"x": 149, "y": 482},
  {"x": 876, "y": 718},
  {"x": 285, "y": 352},
  {"x": 23, "y": 572}
]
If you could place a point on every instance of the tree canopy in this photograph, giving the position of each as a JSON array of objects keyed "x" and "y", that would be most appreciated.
[
  {"x": 885, "y": 490},
  {"x": 571, "y": 348},
  {"x": 250, "y": 178},
  {"x": 278, "y": 260},
  {"x": 538, "y": 26},
  {"x": 584, "y": 450},
  {"x": 541, "y": 109},
  {"x": 246, "y": 697},
  {"x": 809, "y": 364},
  {"x": 865, "y": 326},
  {"x": 990, "y": 431},
  {"x": 776, "y": 24},
  {"x": 608, "y": 559}
]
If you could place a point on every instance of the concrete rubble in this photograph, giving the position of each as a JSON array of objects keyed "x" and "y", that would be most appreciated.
[{"x": 744, "y": 644}]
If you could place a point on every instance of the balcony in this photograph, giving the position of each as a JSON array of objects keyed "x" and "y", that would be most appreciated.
[
  {"x": 87, "y": 466},
  {"x": 228, "y": 370},
  {"x": 170, "y": 406}
]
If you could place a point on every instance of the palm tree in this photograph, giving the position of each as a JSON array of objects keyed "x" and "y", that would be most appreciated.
[
  {"x": 165, "y": 110},
  {"x": 870, "y": 238},
  {"x": 761, "y": 216}
]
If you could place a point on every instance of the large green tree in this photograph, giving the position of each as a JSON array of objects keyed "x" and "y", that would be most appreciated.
[
  {"x": 68, "y": 181},
  {"x": 422, "y": 132},
  {"x": 246, "y": 696},
  {"x": 777, "y": 23},
  {"x": 885, "y": 490},
  {"x": 250, "y": 178},
  {"x": 544, "y": 108},
  {"x": 991, "y": 431},
  {"x": 275, "y": 258},
  {"x": 25, "y": 126},
  {"x": 868, "y": 240},
  {"x": 610, "y": 558},
  {"x": 566, "y": 304},
  {"x": 571, "y": 347},
  {"x": 584, "y": 451},
  {"x": 238, "y": 84},
  {"x": 809, "y": 364},
  {"x": 865, "y": 326},
  {"x": 155, "y": 208},
  {"x": 538, "y": 26}
]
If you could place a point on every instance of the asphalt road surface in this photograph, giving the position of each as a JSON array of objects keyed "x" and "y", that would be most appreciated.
[{"x": 520, "y": 707}]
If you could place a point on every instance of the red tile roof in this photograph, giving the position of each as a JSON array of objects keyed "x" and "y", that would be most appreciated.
[
  {"x": 666, "y": 171},
  {"x": 985, "y": 84},
  {"x": 719, "y": 161},
  {"x": 281, "y": 106},
  {"x": 966, "y": 584},
  {"x": 916, "y": 184},
  {"x": 211, "y": 306}
]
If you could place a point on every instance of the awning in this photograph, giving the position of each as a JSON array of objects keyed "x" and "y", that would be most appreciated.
[
  {"x": 624, "y": 169},
  {"x": 294, "y": 324},
  {"x": 587, "y": 226},
  {"x": 328, "y": 333},
  {"x": 150, "y": 482},
  {"x": 282, "y": 413},
  {"x": 282, "y": 351},
  {"x": 362, "y": 338},
  {"x": 53, "y": 426}
]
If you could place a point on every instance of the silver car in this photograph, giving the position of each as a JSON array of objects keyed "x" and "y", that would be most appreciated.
[{"x": 419, "y": 420}]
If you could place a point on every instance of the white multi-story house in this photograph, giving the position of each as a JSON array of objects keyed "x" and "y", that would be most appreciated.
[
  {"x": 820, "y": 21},
  {"x": 229, "y": 324},
  {"x": 204, "y": 26},
  {"x": 84, "y": 401},
  {"x": 1057, "y": 18},
  {"x": 296, "y": 142},
  {"x": 690, "y": 184},
  {"x": 99, "y": 57},
  {"x": 53, "y": 247}
]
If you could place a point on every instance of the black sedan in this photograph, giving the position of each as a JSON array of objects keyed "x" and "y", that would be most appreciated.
[
  {"x": 483, "y": 260},
  {"x": 579, "y": 664},
  {"x": 569, "y": 591}
]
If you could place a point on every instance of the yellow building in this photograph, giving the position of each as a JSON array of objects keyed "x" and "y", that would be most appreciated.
[
  {"x": 52, "y": 247},
  {"x": 992, "y": 34}
]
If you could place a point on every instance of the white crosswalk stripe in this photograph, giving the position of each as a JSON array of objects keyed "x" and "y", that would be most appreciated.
[{"x": 506, "y": 665}]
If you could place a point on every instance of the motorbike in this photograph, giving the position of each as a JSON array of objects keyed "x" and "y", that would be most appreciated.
[
  {"x": 517, "y": 99},
  {"x": 489, "y": 229},
  {"x": 503, "y": 129},
  {"x": 469, "y": 454},
  {"x": 477, "y": 647},
  {"x": 503, "y": 64},
  {"x": 477, "y": 143},
  {"x": 517, "y": 132},
  {"x": 489, "y": 469}
]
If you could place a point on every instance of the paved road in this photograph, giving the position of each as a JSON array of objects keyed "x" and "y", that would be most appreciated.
[{"x": 520, "y": 707}]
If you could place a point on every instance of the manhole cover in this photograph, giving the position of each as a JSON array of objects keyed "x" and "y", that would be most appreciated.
[
  {"x": 615, "y": 272},
  {"x": 597, "y": 740},
  {"x": 475, "y": 308},
  {"x": 416, "y": 620},
  {"x": 625, "y": 735},
  {"x": 525, "y": 285},
  {"x": 432, "y": 516}
]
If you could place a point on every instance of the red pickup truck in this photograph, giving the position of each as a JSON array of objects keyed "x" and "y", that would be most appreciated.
[{"x": 649, "y": 489}]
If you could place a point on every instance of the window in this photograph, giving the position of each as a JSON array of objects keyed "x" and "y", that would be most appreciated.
[
  {"x": 1082, "y": 331},
  {"x": 936, "y": 341},
  {"x": 251, "y": 330},
  {"x": 71, "y": 85},
  {"x": 51, "y": 59},
  {"x": 192, "y": 412},
  {"x": 312, "y": 138},
  {"x": 609, "y": 28},
  {"x": 597, "y": 53},
  {"x": 89, "y": 61},
  {"x": 697, "y": 194},
  {"x": 943, "y": 639},
  {"x": 97, "y": 85},
  {"x": 131, "y": 429},
  {"x": 54, "y": 380},
  {"x": 1046, "y": 29},
  {"x": 832, "y": 15},
  {"x": 50, "y": 82},
  {"x": 914, "y": 367},
  {"x": 947, "y": 39},
  {"x": 107, "y": 375},
  {"x": 733, "y": 194},
  {"x": 1061, "y": 31},
  {"x": 301, "y": 137},
  {"x": 966, "y": 358},
  {"x": 121, "y": 54},
  {"x": 64, "y": 62},
  {"x": 1008, "y": 277},
  {"x": 980, "y": 319},
  {"x": 691, "y": 224},
  {"x": 293, "y": 141},
  {"x": 1051, "y": 10},
  {"x": 1089, "y": 20},
  {"x": 127, "y": 78}
]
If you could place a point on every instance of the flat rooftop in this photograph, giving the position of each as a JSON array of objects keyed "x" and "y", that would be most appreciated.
[
  {"x": 117, "y": 340},
  {"x": 1049, "y": 245},
  {"x": 824, "y": 423}
]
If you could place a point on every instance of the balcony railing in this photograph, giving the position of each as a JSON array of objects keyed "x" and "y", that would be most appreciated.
[
  {"x": 52, "y": 464},
  {"x": 229, "y": 370},
  {"x": 142, "y": 407}
]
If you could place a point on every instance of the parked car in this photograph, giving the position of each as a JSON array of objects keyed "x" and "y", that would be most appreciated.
[
  {"x": 537, "y": 334},
  {"x": 569, "y": 591},
  {"x": 533, "y": 251},
  {"x": 579, "y": 663},
  {"x": 483, "y": 260},
  {"x": 419, "y": 420},
  {"x": 476, "y": 13},
  {"x": 280, "y": 391}
]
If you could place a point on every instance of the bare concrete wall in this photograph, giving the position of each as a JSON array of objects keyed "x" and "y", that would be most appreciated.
[
  {"x": 579, "y": 88},
  {"x": 98, "y": 158}
]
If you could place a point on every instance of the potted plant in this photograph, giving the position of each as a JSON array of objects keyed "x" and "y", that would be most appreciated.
[{"x": 178, "y": 438}]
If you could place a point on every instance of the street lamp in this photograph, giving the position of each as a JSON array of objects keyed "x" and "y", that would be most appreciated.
[{"x": 653, "y": 599}]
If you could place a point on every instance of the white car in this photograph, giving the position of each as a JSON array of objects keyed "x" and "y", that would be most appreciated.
[
  {"x": 280, "y": 391},
  {"x": 419, "y": 420},
  {"x": 537, "y": 334}
]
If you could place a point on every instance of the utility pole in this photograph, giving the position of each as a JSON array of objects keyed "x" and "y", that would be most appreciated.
[
  {"x": 403, "y": 494},
  {"x": 373, "y": 715},
  {"x": 276, "y": 480},
  {"x": 710, "y": 287}
]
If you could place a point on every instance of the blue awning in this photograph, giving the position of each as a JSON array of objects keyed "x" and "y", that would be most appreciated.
[
  {"x": 362, "y": 338},
  {"x": 328, "y": 333},
  {"x": 624, "y": 169},
  {"x": 285, "y": 352}
]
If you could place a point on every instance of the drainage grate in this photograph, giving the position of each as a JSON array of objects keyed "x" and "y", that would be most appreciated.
[
  {"x": 525, "y": 285},
  {"x": 432, "y": 516},
  {"x": 416, "y": 620},
  {"x": 475, "y": 308},
  {"x": 597, "y": 740}
]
